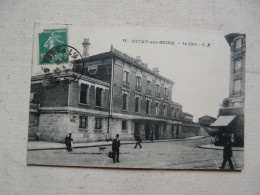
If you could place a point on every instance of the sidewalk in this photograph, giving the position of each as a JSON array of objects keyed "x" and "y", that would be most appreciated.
[
  {"x": 43, "y": 145},
  {"x": 213, "y": 147}
]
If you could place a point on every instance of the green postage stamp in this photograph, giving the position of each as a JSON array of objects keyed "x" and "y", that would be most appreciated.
[{"x": 48, "y": 40}]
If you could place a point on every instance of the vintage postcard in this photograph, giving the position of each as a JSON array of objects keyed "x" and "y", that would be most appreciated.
[{"x": 137, "y": 97}]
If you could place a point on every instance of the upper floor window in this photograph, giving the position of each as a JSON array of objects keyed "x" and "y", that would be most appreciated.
[
  {"x": 173, "y": 112},
  {"x": 157, "y": 109},
  {"x": 83, "y": 93},
  {"x": 99, "y": 96},
  {"x": 237, "y": 86},
  {"x": 165, "y": 91},
  {"x": 177, "y": 113},
  {"x": 137, "y": 104},
  {"x": 238, "y": 65},
  {"x": 138, "y": 81},
  {"x": 149, "y": 85},
  {"x": 157, "y": 88},
  {"x": 165, "y": 110},
  {"x": 124, "y": 102},
  {"x": 126, "y": 76},
  {"x": 238, "y": 43},
  {"x": 92, "y": 70},
  {"x": 147, "y": 107},
  {"x": 108, "y": 70}
]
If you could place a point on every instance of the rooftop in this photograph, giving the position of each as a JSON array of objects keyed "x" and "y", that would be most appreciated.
[{"x": 125, "y": 57}]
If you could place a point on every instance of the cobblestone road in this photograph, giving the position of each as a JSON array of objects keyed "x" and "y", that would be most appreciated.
[{"x": 164, "y": 155}]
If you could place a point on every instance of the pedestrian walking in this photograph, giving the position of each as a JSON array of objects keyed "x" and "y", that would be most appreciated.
[
  {"x": 69, "y": 142},
  {"x": 105, "y": 136},
  {"x": 151, "y": 136},
  {"x": 138, "y": 141},
  {"x": 227, "y": 152},
  {"x": 115, "y": 148}
]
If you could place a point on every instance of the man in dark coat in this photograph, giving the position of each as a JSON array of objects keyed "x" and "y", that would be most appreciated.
[
  {"x": 115, "y": 148},
  {"x": 68, "y": 142},
  {"x": 138, "y": 141},
  {"x": 151, "y": 137},
  {"x": 227, "y": 152}
]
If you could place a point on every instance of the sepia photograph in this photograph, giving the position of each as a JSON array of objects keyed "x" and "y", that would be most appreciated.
[{"x": 137, "y": 98}]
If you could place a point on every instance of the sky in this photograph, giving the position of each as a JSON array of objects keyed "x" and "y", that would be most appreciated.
[{"x": 200, "y": 73}]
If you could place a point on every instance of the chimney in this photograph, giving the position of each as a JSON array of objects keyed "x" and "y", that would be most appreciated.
[
  {"x": 156, "y": 70},
  {"x": 86, "y": 45},
  {"x": 138, "y": 59}
]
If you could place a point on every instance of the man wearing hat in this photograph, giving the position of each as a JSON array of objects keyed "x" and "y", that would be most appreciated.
[{"x": 115, "y": 148}]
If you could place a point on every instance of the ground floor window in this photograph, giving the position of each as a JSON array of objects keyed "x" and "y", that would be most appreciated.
[
  {"x": 98, "y": 123},
  {"x": 83, "y": 122},
  {"x": 124, "y": 125}
]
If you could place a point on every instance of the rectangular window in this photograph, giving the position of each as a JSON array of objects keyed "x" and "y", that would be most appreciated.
[
  {"x": 237, "y": 86},
  {"x": 83, "y": 122},
  {"x": 157, "y": 88},
  {"x": 99, "y": 96},
  {"x": 173, "y": 112},
  {"x": 147, "y": 106},
  {"x": 238, "y": 65},
  {"x": 137, "y": 99},
  {"x": 98, "y": 123},
  {"x": 138, "y": 81},
  {"x": 124, "y": 125},
  {"x": 238, "y": 43},
  {"x": 126, "y": 76},
  {"x": 83, "y": 93},
  {"x": 108, "y": 70},
  {"x": 124, "y": 102},
  {"x": 157, "y": 109},
  {"x": 165, "y": 110},
  {"x": 165, "y": 91},
  {"x": 149, "y": 85}
]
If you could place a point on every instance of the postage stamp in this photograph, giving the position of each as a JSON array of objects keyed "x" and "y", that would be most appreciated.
[
  {"x": 49, "y": 39},
  {"x": 95, "y": 102}
]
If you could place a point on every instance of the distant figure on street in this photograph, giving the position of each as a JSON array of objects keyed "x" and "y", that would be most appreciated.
[
  {"x": 151, "y": 136},
  {"x": 138, "y": 141},
  {"x": 227, "y": 152},
  {"x": 68, "y": 142},
  {"x": 115, "y": 149},
  {"x": 105, "y": 136}
]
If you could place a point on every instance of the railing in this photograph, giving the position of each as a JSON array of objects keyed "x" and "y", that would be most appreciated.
[
  {"x": 148, "y": 91},
  {"x": 138, "y": 88},
  {"x": 126, "y": 83}
]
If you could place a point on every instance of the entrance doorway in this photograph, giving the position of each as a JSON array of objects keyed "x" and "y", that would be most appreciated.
[
  {"x": 147, "y": 131},
  {"x": 136, "y": 130},
  {"x": 157, "y": 131}
]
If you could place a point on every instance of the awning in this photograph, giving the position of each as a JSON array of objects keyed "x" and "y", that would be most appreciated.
[{"x": 223, "y": 121}]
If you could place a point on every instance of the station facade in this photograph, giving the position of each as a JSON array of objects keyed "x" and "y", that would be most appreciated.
[{"x": 116, "y": 94}]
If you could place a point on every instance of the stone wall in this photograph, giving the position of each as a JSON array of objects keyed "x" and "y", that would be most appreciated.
[
  {"x": 33, "y": 126},
  {"x": 188, "y": 131}
]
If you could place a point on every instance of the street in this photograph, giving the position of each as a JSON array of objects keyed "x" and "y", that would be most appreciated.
[{"x": 183, "y": 154}]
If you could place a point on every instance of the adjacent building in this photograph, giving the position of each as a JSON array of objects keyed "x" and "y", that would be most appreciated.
[
  {"x": 231, "y": 113},
  {"x": 206, "y": 121},
  {"x": 116, "y": 94}
]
